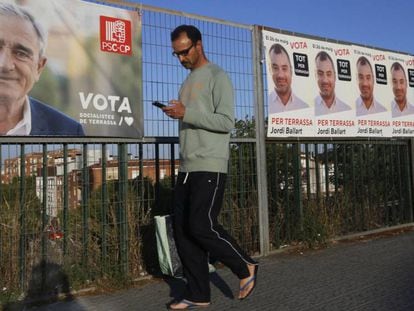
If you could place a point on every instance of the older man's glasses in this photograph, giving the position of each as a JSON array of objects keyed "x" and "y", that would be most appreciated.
[{"x": 183, "y": 52}]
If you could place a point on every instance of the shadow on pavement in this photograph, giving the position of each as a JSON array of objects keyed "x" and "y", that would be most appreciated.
[
  {"x": 218, "y": 282},
  {"x": 177, "y": 286},
  {"x": 48, "y": 284}
]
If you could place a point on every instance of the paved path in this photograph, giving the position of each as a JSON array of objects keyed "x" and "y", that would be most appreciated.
[{"x": 370, "y": 274}]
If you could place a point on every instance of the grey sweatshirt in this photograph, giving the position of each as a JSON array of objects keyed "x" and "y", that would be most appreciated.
[{"x": 207, "y": 94}]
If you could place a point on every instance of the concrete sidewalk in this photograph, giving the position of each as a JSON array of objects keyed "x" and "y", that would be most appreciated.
[{"x": 374, "y": 273}]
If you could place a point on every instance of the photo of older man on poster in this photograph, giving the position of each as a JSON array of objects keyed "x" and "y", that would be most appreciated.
[{"x": 22, "y": 60}]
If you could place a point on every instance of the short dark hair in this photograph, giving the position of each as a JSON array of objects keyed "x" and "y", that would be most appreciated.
[
  {"x": 364, "y": 61},
  {"x": 397, "y": 66},
  {"x": 323, "y": 56},
  {"x": 279, "y": 49},
  {"x": 191, "y": 31}
]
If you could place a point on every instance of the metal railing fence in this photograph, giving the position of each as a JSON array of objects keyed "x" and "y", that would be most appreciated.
[
  {"x": 89, "y": 209},
  {"x": 322, "y": 190}
]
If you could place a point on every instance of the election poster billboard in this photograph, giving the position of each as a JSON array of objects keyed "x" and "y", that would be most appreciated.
[
  {"x": 288, "y": 76},
  {"x": 321, "y": 88},
  {"x": 82, "y": 62},
  {"x": 401, "y": 73},
  {"x": 372, "y": 99},
  {"x": 334, "y": 112}
]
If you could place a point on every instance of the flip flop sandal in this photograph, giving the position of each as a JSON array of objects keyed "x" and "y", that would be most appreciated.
[
  {"x": 188, "y": 305},
  {"x": 253, "y": 279}
]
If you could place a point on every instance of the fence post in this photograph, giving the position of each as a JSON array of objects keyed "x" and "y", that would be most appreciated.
[
  {"x": 297, "y": 183},
  {"x": 22, "y": 219},
  {"x": 85, "y": 208},
  {"x": 65, "y": 200},
  {"x": 123, "y": 206},
  {"x": 260, "y": 142},
  {"x": 104, "y": 212},
  {"x": 45, "y": 215}
]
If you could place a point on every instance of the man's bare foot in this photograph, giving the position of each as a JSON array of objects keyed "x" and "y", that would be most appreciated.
[
  {"x": 186, "y": 304},
  {"x": 248, "y": 284}
]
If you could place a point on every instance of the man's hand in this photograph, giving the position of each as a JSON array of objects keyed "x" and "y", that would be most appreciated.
[{"x": 175, "y": 109}]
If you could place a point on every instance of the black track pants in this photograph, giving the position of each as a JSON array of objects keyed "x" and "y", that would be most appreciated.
[{"x": 198, "y": 200}]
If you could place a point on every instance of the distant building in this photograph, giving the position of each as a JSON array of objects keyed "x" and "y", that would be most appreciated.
[{"x": 75, "y": 169}]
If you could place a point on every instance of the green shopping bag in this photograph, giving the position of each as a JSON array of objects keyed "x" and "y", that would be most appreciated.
[{"x": 168, "y": 258}]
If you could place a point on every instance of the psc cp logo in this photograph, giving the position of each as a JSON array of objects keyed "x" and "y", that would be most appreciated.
[{"x": 115, "y": 35}]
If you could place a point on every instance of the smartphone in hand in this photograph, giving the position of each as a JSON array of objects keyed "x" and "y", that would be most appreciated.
[{"x": 158, "y": 104}]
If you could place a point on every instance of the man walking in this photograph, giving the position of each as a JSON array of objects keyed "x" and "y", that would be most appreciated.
[{"x": 205, "y": 109}]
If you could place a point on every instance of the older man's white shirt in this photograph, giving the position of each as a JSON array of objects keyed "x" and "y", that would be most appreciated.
[{"x": 24, "y": 126}]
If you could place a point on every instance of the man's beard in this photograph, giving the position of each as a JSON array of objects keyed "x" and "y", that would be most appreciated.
[{"x": 186, "y": 65}]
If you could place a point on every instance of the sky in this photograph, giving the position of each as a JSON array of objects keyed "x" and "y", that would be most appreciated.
[{"x": 385, "y": 24}]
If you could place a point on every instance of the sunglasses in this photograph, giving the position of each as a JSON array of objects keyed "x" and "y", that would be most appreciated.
[{"x": 183, "y": 52}]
